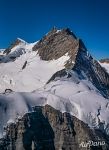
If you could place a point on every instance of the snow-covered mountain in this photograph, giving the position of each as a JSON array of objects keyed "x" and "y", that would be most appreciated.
[{"x": 56, "y": 70}]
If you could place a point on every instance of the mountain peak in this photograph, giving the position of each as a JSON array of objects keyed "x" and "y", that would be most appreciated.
[
  {"x": 13, "y": 44},
  {"x": 57, "y": 43},
  {"x": 55, "y": 30}
]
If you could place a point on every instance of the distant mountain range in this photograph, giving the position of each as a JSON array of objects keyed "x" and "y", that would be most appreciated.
[{"x": 53, "y": 95}]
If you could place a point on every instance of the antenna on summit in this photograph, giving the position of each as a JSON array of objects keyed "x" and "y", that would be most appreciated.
[{"x": 54, "y": 28}]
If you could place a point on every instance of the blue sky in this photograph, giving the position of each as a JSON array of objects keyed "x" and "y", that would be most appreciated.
[{"x": 31, "y": 19}]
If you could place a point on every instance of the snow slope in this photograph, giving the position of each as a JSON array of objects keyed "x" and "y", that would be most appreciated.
[
  {"x": 36, "y": 72},
  {"x": 27, "y": 76}
]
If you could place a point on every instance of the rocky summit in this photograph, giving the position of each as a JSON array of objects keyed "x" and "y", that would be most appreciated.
[
  {"x": 53, "y": 95},
  {"x": 59, "y": 42}
]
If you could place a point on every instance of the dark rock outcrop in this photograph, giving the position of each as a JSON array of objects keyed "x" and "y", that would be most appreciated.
[
  {"x": 23, "y": 67},
  {"x": 48, "y": 129}
]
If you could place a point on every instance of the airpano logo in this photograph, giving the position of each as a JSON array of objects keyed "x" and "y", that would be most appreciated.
[{"x": 92, "y": 143}]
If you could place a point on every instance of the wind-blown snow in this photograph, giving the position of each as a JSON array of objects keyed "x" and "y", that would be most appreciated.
[
  {"x": 27, "y": 76},
  {"x": 23, "y": 41}
]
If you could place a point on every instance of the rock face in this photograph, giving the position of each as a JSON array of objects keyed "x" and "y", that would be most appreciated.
[
  {"x": 56, "y": 44},
  {"x": 48, "y": 129}
]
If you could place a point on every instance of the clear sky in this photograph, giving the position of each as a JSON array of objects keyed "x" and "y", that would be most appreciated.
[{"x": 31, "y": 19}]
